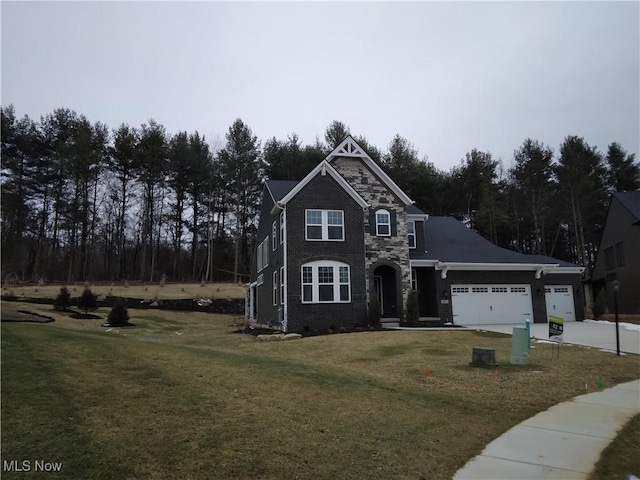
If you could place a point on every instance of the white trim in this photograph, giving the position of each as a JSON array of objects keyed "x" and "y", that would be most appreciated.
[
  {"x": 324, "y": 225},
  {"x": 350, "y": 148},
  {"x": 418, "y": 217},
  {"x": 326, "y": 167},
  {"x": 565, "y": 270},
  {"x": 274, "y": 236},
  {"x": 282, "y": 227},
  {"x": 546, "y": 268},
  {"x": 275, "y": 287},
  {"x": 284, "y": 266},
  {"x": 382, "y": 211},
  {"x": 315, "y": 283},
  {"x": 414, "y": 235},
  {"x": 282, "y": 284}
]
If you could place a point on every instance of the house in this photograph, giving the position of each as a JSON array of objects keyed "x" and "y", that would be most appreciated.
[
  {"x": 346, "y": 231},
  {"x": 618, "y": 256}
]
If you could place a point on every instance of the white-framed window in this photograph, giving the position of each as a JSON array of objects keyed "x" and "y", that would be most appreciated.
[
  {"x": 274, "y": 233},
  {"x": 281, "y": 227},
  {"x": 411, "y": 233},
  {"x": 263, "y": 254},
  {"x": 324, "y": 225},
  {"x": 266, "y": 251},
  {"x": 274, "y": 287},
  {"x": 326, "y": 281},
  {"x": 281, "y": 285},
  {"x": 383, "y": 223}
]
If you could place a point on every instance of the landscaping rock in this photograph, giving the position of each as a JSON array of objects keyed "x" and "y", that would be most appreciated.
[{"x": 292, "y": 336}]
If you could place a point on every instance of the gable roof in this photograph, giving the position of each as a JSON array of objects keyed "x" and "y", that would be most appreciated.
[
  {"x": 630, "y": 201},
  {"x": 323, "y": 168},
  {"x": 350, "y": 148},
  {"x": 279, "y": 188},
  {"x": 451, "y": 245}
]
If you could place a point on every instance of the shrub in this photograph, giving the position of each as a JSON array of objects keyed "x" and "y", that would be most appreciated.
[
  {"x": 118, "y": 314},
  {"x": 413, "y": 315},
  {"x": 88, "y": 301},
  {"x": 600, "y": 306},
  {"x": 63, "y": 300},
  {"x": 373, "y": 314}
]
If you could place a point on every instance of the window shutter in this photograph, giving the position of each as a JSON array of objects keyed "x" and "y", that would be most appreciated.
[
  {"x": 372, "y": 221},
  {"x": 394, "y": 223}
]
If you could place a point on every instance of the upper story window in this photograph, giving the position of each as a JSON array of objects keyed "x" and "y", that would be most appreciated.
[
  {"x": 324, "y": 225},
  {"x": 614, "y": 256},
  {"x": 282, "y": 227},
  {"x": 274, "y": 234},
  {"x": 383, "y": 223},
  {"x": 619, "y": 254},
  {"x": 326, "y": 281},
  {"x": 411, "y": 233},
  {"x": 263, "y": 254}
]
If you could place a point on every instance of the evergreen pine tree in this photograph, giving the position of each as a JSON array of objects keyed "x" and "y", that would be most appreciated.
[
  {"x": 118, "y": 314},
  {"x": 88, "y": 301},
  {"x": 63, "y": 300}
]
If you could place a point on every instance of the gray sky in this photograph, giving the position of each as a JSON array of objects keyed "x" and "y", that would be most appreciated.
[{"x": 448, "y": 76}]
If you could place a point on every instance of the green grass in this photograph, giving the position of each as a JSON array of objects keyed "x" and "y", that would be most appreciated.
[{"x": 180, "y": 396}]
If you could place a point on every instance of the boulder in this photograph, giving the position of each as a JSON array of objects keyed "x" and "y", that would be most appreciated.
[{"x": 292, "y": 336}]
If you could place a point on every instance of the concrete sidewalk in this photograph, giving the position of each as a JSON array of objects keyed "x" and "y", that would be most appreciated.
[
  {"x": 563, "y": 442},
  {"x": 600, "y": 335}
]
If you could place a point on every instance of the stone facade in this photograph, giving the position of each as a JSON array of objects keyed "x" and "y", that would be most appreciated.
[{"x": 379, "y": 250}]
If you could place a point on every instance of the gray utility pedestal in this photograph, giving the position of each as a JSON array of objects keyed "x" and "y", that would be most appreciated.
[{"x": 520, "y": 346}]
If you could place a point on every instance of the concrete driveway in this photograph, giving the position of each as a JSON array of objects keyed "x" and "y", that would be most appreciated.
[{"x": 600, "y": 335}]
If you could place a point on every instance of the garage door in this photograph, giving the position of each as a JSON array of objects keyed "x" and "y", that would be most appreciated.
[
  {"x": 487, "y": 304},
  {"x": 559, "y": 300}
]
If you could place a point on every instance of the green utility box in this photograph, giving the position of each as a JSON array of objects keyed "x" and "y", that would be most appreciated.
[{"x": 519, "y": 346}]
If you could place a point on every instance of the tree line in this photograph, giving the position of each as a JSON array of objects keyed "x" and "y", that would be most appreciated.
[{"x": 83, "y": 202}]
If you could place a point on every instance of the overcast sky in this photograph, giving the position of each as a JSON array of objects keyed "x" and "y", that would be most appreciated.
[{"x": 448, "y": 76}]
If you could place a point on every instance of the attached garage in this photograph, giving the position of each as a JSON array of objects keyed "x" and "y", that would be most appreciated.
[
  {"x": 559, "y": 299},
  {"x": 491, "y": 304}
]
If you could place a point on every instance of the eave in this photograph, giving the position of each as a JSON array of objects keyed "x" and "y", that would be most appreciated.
[{"x": 540, "y": 269}]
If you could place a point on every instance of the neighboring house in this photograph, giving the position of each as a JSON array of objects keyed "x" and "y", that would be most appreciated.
[
  {"x": 618, "y": 256},
  {"x": 345, "y": 231}
]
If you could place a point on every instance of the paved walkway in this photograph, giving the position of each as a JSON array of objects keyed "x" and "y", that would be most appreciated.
[
  {"x": 563, "y": 442},
  {"x": 591, "y": 334}
]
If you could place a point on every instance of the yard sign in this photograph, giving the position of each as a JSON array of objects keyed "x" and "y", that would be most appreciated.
[{"x": 556, "y": 327}]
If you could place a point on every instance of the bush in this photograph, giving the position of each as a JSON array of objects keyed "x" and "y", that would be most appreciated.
[
  {"x": 600, "y": 306},
  {"x": 63, "y": 300},
  {"x": 413, "y": 315},
  {"x": 373, "y": 314},
  {"x": 88, "y": 301},
  {"x": 118, "y": 314}
]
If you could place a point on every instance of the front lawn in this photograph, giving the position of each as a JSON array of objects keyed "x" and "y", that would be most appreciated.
[{"x": 181, "y": 396}]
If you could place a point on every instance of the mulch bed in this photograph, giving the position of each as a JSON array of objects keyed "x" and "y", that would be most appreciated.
[
  {"x": 85, "y": 316},
  {"x": 118, "y": 325},
  {"x": 27, "y": 317}
]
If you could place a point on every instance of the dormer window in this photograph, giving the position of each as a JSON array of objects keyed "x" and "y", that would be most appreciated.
[{"x": 383, "y": 223}]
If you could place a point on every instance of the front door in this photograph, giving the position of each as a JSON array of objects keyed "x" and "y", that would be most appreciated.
[
  {"x": 384, "y": 284},
  {"x": 377, "y": 287}
]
